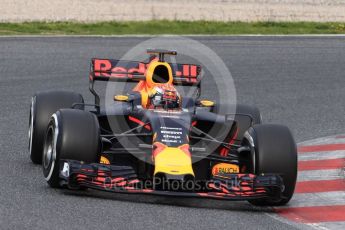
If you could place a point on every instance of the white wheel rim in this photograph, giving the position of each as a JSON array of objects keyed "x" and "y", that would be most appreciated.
[
  {"x": 47, "y": 157},
  {"x": 51, "y": 150},
  {"x": 31, "y": 124}
]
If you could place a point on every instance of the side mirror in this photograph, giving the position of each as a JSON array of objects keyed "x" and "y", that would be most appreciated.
[
  {"x": 205, "y": 103},
  {"x": 121, "y": 98}
]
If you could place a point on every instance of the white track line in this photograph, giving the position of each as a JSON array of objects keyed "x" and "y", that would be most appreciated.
[
  {"x": 329, "y": 225},
  {"x": 174, "y": 35},
  {"x": 324, "y": 140},
  {"x": 321, "y": 155},
  {"x": 330, "y": 174},
  {"x": 317, "y": 199}
]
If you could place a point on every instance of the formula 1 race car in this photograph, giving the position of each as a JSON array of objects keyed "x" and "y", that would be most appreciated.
[{"x": 153, "y": 140}]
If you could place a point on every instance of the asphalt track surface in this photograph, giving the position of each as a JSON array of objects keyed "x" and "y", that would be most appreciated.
[{"x": 296, "y": 81}]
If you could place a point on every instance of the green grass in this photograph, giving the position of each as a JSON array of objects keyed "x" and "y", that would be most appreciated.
[{"x": 169, "y": 27}]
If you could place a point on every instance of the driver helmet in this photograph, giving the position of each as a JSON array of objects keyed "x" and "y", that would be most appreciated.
[{"x": 165, "y": 96}]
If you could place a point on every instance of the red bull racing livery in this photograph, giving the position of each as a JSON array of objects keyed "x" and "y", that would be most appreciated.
[{"x": 155, "y": 140}]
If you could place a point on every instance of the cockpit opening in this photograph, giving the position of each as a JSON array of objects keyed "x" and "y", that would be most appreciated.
[{"x": 160, "y": 74}]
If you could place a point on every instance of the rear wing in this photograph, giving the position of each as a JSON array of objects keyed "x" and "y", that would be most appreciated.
[
  {"x": 131, "y": 71},
  {"x": 134, "y": 71}
]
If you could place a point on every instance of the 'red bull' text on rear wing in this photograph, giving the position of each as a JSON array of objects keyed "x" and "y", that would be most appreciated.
[
  {"x": 120, "y": 70},
  {"x": 134, "y": 71}
]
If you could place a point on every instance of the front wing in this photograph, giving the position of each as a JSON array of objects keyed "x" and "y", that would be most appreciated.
[{"x": 123, "y": 179}]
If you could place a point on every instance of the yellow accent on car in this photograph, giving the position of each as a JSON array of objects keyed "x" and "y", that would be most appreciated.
[
  {"x": 151, "y": 69},
  {"x": 173, "y": 161},
  {"x": 144, "y": 98},
  {"x": 104, "y": 160},
  {"x": 206, "y": 103},
  {"x": 121, "y": 98}
]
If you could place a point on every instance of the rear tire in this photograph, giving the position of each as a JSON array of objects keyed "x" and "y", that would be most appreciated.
[
  {"x": 72, "y": 134},
  {"x": 273, "y": 150},
  {"x": 43, "y": 105}
]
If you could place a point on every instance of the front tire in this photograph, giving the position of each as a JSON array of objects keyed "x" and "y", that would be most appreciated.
[
  {"x": 43, "y": 105},
  {"x": 72, "y": 134},
  {"x": 273, "y": 150}
]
